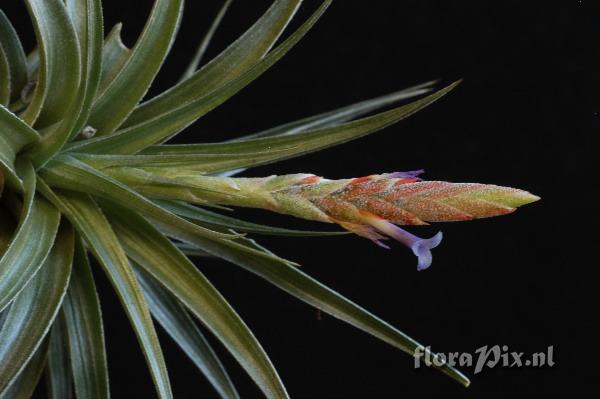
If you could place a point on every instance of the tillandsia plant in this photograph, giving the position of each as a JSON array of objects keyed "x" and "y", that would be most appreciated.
[{"x": 85, "y": 171}]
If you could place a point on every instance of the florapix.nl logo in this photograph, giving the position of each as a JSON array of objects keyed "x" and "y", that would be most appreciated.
[{"x": 485, "y": 357}]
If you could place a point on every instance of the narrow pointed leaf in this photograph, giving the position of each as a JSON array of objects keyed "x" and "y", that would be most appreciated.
[
  {"x": 68, "y": 173},
  {"x": 305, "y": 288},
  {"x": 60, "y": 65},
  {"x": 147, "y": 56},
  {"x": 5, "y": 83},
  {"x": 58, "y": 369},
  {"x": 24, "y": 385},
  {"x": 156, "y": 129},
  {"x": 283, "y": 274},
  {"x": 114, "y": 56},
  {"x": 176, "y": 321},
  {"x": 25, "y": 256},
  {"x": 97, "y": 232},
  {"x": 88, "y": 21},
  {"x": 193, "y": 66},
  {"x": 15, "y": 56},
  {"x": 192, "y": 251},
  {"x": 282, "y": 147},
  {"x": 34, "y": 310},
  {"x": 85, "y": 331},
  {"x": 14, "y": 136},
  {"x": 198, "y": 162},
  {"x": 214, "y": 220},
  {"x": 7, "y": 230},
  {"x": 87, "y": 18},
  {"x": 234, "y": 61},
  {"x": 159, "y": 257},
  {"x": 341, "y": 115}
]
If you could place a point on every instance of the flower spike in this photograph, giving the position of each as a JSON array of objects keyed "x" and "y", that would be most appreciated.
[{"x": 371, "y": 206}]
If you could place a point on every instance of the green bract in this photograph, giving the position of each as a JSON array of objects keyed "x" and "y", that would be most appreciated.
[{"x": 75, "y": 107}]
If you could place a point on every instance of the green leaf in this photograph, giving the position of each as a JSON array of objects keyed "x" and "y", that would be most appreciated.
[
  {"x": 197, "y": 162},
  {"x": 33, "y": 65},
  {"x": 14, "y": 136},
  {"x": 58, "y": 369},
  {"x": 68, "y": 173},
  {"x": 277, "y": 148},
  {"x": 309, "y": 290},
  {"x": 24, "y": 385},
  {"x": 246, "y": 254},
  {"x": 159, "y": 257},
  {"x": 192, "y": 251},
  {"x": 234, "y": 61},
  {"x": 155, "y": 129},
  {"x": 191, "y": 68},
  {"x": 176, "y": 321},
  {"x": 114, "y": 56},
  {"x": 226, "y": 156},
  {"x": 217, "y": 221},
  {"x": 7, "y": 229},
  {"x": 85, "y": 332},
  {"x": 15, "y": 56},
  {"x": 90, "y": 222},
  {"x": 291, "y": 141},
  {"x": 127, "y": 89},
  {"x": 341, "y": 115},
  {"x": 25, "y": 256},
  {"x": 4, "y": 78},
  {"x": 34, "y": 310},
  {"x": 60, "y": 68},
  {"x": 87, "y": 19}
]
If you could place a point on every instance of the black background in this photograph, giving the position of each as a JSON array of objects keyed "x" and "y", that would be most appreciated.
[{"x": 519, "y": 119}]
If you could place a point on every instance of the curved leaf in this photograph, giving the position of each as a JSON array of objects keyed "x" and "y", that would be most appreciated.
[
  {"x": 215, "y": 221},
  {"x": 135, "y": 138},
  {"x": 176, "y": 321},
  {"x": 234, "y": 61},
  {"x": 24, "y": 257},
  {"x": 277, "y": 148},
  {"x": 15, "y": 56},
  {"x": 14, "y": 136},
  {"x": 4, "y": 78},
  {"x": 90, "y": 222},
  {"x": 309, "y": 290},
  {"x": 341, "y": 115},
  {"x": 114, "y": 56},
  {"x": 68, "y": 173},
  {"x": 85, "y": 332},
  {"x": 193, "y": 65},
  {"x": 198, "y": 162},
  {"x": 114, "y": 105},
  {"x": 87, "y": 18},
  {"x": 23, "y": 386},
  {"x": 60, "y": 68},
  {"x": 58, "y": 369},
  {"x": 88, "y": 21},
  {"x": 34, "y": 310},
  {"x": 7, "y": 229},
  {"x": 159, "y": 257},
  {"x": 283, "y": 274}
]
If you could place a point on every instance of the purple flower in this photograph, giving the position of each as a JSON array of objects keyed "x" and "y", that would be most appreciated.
[
  {"x": 421, "y": 247},
  {"x": 406, "y": 175}
]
